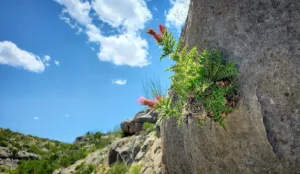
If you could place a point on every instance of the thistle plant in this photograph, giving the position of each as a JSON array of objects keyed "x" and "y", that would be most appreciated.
[{"x": 204, "y": 76}]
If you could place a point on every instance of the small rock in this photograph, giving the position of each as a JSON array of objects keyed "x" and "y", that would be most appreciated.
[
  {"x": 5, "y": 152},
  {"x": 27, "y": 155},
  {"x": 135, "y": 125}
]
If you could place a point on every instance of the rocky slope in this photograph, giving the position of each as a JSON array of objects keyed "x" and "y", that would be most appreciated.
[
  {"x": 263, "y": 134},
  {"x": 96, "y": 153},
  {"x": 15, "y": 147}
]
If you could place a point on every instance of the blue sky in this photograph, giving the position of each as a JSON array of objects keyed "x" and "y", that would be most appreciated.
[{"x": 71, "y": 66}]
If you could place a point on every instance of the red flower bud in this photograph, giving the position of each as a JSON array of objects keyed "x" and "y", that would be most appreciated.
[
  {"x": 158, "y": 37},
  {"x": 162, "y": 29},
  {"x": 148, "y": 102}
]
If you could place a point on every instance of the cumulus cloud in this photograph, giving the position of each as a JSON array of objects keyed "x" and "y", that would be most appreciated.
[
  {"x": 72, "y": 25},
  {"x": 119, "y": 82},
  {"x": 77, "y": 9},
  {"x": 11, "y": 54},
  {"x": 176, "y": 15},
  {"x": 36, "y": 118},
  {"x": 56, "y": 62},
  {"x": 128, "y": 17},
  {"x": 126, "y": 49},
  {"x": 131, "y": 14}
]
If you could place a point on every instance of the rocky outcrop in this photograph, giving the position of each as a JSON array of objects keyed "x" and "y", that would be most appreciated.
[
  {"x": 135, "y": 125},
  {"x": 150, "y": 156},
  {"x": 10, "y": 160},
  {"x": 143, "y": 149},
  {"x": 263, "y": 134},
  {"x": 95, "y": 158},
  {"x": 124, "y": 150},
  {"x": 5, "y": 152},
  {"x": 23, "y": 155}
]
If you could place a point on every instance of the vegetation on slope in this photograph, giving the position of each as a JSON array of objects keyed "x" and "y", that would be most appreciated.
[{"x": 54, "y": 154}]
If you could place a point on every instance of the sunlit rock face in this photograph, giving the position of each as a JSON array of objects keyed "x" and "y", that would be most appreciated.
[{"x": 263, "y": 134}]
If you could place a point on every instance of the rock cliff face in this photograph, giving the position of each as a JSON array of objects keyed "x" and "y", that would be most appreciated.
[{"x": 263, "y": 135}]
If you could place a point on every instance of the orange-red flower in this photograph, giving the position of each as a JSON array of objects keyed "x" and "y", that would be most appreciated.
[
  {"x": 148, "y": 102},
  {"x": 162, "y": 29},
  {"x": 158, "y": 37},
  {"x": 158, "y": 98}
]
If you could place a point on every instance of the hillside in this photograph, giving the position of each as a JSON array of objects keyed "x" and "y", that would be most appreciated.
[
  {"x": 94, "y": 152},
  {"x": 30, "y": 154}
]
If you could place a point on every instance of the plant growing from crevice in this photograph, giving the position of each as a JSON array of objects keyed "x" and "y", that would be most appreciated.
[
  {"x": 152, "y": 87},
  {"x": 149, "y": 127},
  {"x": 205, "y": 77}
]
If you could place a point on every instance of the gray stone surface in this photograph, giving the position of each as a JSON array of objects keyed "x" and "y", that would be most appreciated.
[
  {"x": 27, "y": 155},
  {"x": 150, "y": 156},
  {"x": 263, "y": 135},
  {"x": 94, "y": 158},
  {"x": 5, "y": 152},
  {"x": 124, "y": 150},
  {"x": 135, "y": 125},
  {"x": 9, "y": 163}
]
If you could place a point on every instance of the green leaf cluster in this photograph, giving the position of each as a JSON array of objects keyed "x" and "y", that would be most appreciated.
[
  {"x": 149, "y": 127},
  {"x": 195, "y": 75}
]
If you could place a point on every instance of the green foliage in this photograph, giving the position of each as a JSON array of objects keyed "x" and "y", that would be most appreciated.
[
  {"x": 35, "y": 149},
  {"x": 3, "y": 143},
  {"x": 149, "y": 127},
  {"x": 117, "y": 132},
  {"x": 34, "y": 166},
  {"x": 82, "y": 169},
  {"x": 54, "y": 154},
  {"x": 196, "y": 76},
  {"x": 118, "y": 168},
  {"x": 152, "y": 87},
  {"x": 166, "y": 108},
  {"x": 136, "y": 169},
  {"x": 5, "y": 170}
]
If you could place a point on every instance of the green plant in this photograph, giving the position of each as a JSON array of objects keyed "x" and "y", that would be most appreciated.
[
  {"x": 82, "y": 169},
  {"x": 117, "y": 132},
  {"x": 149, "y": 127},
  {"x": 136, "y": 169},
  {"x": 152, "y": 87},
  {"x": 3, "y": 143},
  {"x": 204, "y": 76},
  {"x": 118, "y": 168}
]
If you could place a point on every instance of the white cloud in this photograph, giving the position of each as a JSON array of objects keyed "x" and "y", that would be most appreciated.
[
  {"x": 132, "y": 14},
  {"x": 175, "y": 17},
  {"x": 129, "y": 16},
  {"x": 47, "y": 64},
  {"x": 78, "y": 10},
  {"x": 68, "y": 21},
  {"x": 10, "y": 54},
  {"x": 126, "y": 49},
  {"x": 56, "y": 62},
  {"x": 119, "y": 82},
  {"x": 155, "y": 9},
  {"x": 47, "y": 58},
  {"x": 36, "y": 118},
  {"x": 93, "y": 33}
]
